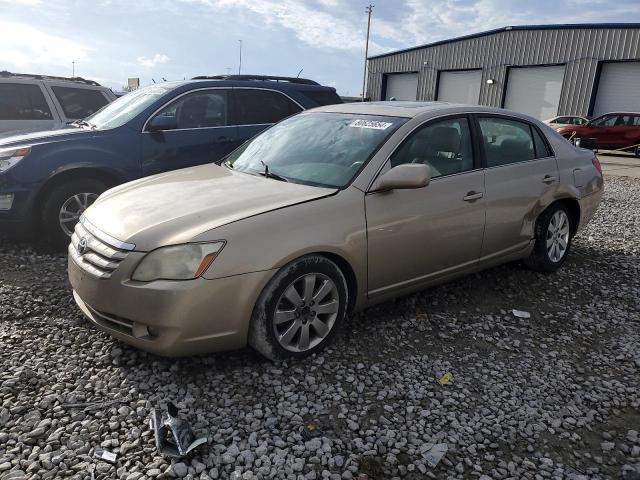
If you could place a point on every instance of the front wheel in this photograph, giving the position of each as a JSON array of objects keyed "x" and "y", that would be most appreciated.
[
  {"x": 63, "y": 207},
  {"x": 553, "y": 239},
  {"x": 300, "y": 309}
]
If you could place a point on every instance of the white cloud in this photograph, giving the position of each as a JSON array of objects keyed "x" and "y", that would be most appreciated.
[
  {"x": 157, "y": 59},
  {"x": 316, "y": 27},
  {"x": 22, "y": 46}
]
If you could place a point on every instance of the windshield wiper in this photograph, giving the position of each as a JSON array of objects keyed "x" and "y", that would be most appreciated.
[{"x": 268, "y": 174}]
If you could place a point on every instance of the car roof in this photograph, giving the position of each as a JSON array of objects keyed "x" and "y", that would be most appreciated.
[
  {"x": 410, "y": 109},
  {"x": 620, "y": 113},
  {"x": 273, "y": 85}
]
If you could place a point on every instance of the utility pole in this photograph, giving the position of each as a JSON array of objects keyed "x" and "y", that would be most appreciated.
[
  {"x": 368, "y": 10},
  {"x": 240, "y": 63},
  {"x": 73, "y": 69}
]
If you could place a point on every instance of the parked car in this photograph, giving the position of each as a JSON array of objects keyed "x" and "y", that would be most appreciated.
[
  {"x": 48, "y": 179},
  {"x": 609, "y": 131},
  {"x": 561, "y": 121},
  {"x": 325, "y": 213},
  {"x": 30, "y": 103}
]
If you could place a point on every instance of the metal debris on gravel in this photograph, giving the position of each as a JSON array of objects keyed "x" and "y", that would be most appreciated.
[{"x": 553, "y": 396}]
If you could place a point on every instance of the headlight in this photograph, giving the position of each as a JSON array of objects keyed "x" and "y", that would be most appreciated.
[
  {"x": 178, "y": 262},
  {"x": 10, "y": 156}
]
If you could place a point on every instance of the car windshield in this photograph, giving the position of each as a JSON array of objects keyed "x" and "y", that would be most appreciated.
[
  {"x": 123, "y": 109},
  {"x": 323, "y": 149}
]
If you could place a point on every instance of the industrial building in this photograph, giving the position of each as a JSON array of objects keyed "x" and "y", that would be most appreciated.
[{"x": 541, "y": 70}]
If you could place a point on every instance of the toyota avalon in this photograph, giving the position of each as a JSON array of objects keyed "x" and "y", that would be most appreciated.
[{"x": 324, "y": 214}]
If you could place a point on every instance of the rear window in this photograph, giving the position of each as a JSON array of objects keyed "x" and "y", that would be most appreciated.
[
  {"x": 258, "y": 107},
  {"x": 21, "y": 101},
  {"x": 323, "y": 97},
  {"x": 79, "y": 102}
]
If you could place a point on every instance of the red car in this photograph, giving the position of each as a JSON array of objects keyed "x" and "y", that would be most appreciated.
[{"x": 610, "y": 131}]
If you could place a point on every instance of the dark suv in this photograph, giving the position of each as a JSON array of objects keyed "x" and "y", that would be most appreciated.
[{"x": 48, "y": 179}]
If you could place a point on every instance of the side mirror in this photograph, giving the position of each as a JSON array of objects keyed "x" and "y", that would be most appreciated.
[
  {"x": 405, "y": 176},
  {"x": 162, "y": 122},
  {"x": 588, "y": 143}
]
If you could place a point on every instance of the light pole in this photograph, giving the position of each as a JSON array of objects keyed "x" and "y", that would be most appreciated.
[
  {"x": 73, "y": 69},
  {"x": 368, "y": 10},
  {"x": 240, "y": 62}
]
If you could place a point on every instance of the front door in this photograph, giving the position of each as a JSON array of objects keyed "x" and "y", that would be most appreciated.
[
  {"x": 521, "y": 176},
  {"x": 204, "y": 133},
  {"x": 416, "y": 235}
]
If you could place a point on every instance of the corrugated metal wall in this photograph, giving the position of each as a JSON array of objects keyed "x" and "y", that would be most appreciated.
[{"x": 580, "y": 50}]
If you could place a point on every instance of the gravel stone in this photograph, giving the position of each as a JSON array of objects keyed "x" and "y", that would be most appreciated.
[{"x": 555, "y": 395}]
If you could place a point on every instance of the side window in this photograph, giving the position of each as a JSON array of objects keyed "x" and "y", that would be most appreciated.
[
  {"x": 506, "y": 141},
  {"x": 606, "y": 121},
  {"x": 203, "y": 109},
  {"x": 561, "y": 120},
  {"x": 636, "y": 121},
  {"x": 542, "y": 151},
  {"x": 79, "y": 102},
  {"x": 578, "y": 121},
  {"x": 262, "y": 106},
  {"x": 445, "y": 146},
  {"x": 22, "y": 101}
]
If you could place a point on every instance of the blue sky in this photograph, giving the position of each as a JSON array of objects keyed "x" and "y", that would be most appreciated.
[{"x": 111, "y": 40}]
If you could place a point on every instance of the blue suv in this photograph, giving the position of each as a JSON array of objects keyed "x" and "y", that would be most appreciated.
[{"x": 47, "y": 179}]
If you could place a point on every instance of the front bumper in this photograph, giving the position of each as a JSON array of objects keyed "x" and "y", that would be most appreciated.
[
  {"x": 169, "y": 318},
  {"x": 17, "y": 221}
]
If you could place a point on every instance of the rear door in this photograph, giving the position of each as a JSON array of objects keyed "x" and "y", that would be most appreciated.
[
  {"x": 256, "y": 109},
  {"x": 521, "y": 175},
  {"x": 24, "y": 106},
  {"x": 419, "y": 234},
  {"x": 205, "y": 132}
]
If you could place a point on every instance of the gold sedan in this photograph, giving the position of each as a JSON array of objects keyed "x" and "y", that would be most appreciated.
[{"x": 324, "y": 214}]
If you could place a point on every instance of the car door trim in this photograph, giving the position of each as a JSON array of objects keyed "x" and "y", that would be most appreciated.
[{"x": 144, "y": 126}]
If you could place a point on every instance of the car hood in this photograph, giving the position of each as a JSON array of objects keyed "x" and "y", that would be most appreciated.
[
  {"x": 573, "y": 128},
  {"x": 174, "y": 207},
  {"x": 9, "y": 139}
]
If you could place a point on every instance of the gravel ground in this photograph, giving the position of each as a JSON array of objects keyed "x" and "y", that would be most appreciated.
[{"x": 553, "y": 396}]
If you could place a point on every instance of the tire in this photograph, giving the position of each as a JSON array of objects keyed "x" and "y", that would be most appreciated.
[
  {"x": 278, "y": 323},
  {"x": 52, "y": 229},
  {"x": 544, "y": 258}
]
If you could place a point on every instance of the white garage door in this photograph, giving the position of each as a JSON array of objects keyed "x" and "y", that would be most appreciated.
[
  {"x": 460, "y": 87},
  {"x": 402, "y": 86},
  {"x": 534, "y": 91},
  {"x": 618, "y": 88}
]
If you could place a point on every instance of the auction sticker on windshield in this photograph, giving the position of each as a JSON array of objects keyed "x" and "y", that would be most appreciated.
[{"x": 370, "y": 124}]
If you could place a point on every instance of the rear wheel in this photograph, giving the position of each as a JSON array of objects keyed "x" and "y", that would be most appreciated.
[
  {"x": 300, "y": 310},
  {"x": 63, "y": 207},
  {"x": 553, "y": 239}
]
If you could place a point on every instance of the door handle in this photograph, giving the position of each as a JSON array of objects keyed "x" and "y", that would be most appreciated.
[
  {"x": 549, "y": 179},
  {"x": 223, "y": 139},
  {"x": 472, "y": 196}
]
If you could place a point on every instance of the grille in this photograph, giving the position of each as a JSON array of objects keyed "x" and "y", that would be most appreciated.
[{"x": 95, "y": 252}]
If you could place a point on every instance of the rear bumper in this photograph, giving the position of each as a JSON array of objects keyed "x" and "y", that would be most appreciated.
[{"x": 169, "y": 318}]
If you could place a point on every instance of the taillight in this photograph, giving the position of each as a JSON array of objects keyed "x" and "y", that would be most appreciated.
[{"x": 596, "y": 163}]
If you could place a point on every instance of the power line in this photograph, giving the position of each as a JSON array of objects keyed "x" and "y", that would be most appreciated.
[{"x": 368, "y": 10}]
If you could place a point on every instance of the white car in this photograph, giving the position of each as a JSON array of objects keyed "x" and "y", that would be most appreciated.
[
  {"x": 30, "y": 103},
  {"x": 564, "y": 120}
]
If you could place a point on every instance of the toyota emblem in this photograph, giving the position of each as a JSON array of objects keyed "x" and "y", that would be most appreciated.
[{"x": 82, "y": 246}]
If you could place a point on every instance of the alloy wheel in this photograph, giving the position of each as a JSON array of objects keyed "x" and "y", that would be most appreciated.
[
  {"x": 558, "y": 236},
  {"x": 306, "y": 312},
  {"x": 72, "y": 209}
]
